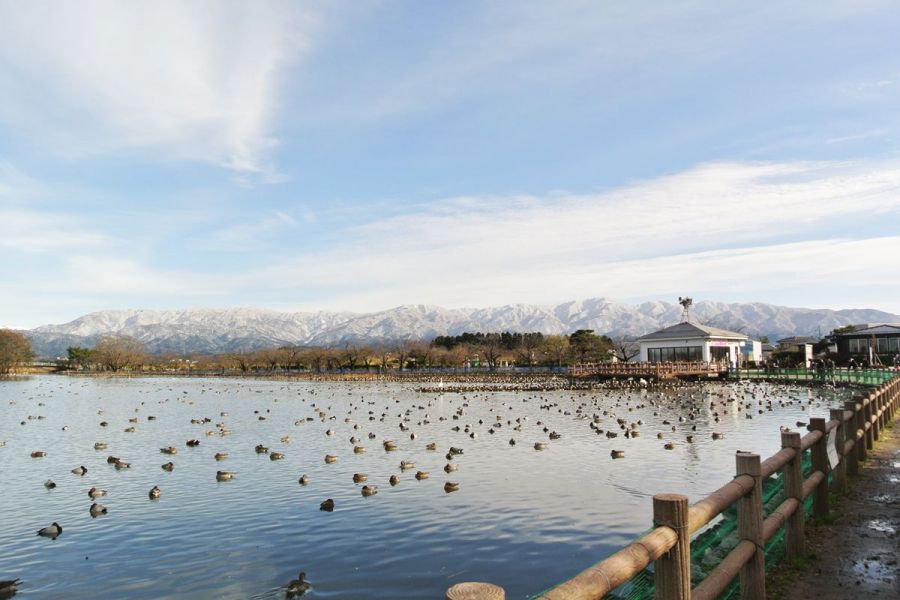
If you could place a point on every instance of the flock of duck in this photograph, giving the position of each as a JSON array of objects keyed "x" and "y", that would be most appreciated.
[{"x": 677, "y": 409}]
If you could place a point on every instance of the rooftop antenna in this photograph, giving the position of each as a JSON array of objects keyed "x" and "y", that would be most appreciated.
[{"x": 686, "y": 308}]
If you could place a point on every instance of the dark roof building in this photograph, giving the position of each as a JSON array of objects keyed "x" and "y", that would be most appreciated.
[{"x": 876, "y": 343}]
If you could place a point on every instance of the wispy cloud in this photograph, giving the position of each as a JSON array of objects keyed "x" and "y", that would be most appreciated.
[{"x": 195, "y": 80}]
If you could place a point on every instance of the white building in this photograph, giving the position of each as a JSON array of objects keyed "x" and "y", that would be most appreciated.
[{"x": 688, "y": 341}]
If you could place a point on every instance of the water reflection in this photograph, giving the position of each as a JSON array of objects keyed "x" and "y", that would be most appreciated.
[{"x": 521, "y": 518}]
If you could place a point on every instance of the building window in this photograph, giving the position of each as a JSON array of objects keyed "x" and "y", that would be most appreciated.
[{"x": 678, "y": 354}]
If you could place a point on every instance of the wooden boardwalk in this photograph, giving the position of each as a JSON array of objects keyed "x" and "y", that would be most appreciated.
[{"x": 667, "y": 370}]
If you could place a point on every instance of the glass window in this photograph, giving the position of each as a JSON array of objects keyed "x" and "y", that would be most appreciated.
[{"x": 678, "y": 354}]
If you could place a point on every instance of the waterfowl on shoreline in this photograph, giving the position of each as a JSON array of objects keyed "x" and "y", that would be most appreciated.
[
  {"x": 297, "y": 587},
  {"x": 154, "y": 492},
  {"x": 52, "y": 531}
]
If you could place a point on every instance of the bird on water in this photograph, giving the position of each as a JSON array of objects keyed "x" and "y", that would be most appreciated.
[{"x": 297, "y": 587}]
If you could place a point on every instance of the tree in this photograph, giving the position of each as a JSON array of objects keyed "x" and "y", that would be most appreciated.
[
  {"x": 587, "y": 345},
  {"x": 78, "y": 356},
  {"x": 625, "y": 350},
  {"x": 556, "y": 348},
  {"x": 116, "y": 353},
  {"x": 529, "y": 348},
  {"x": 15, "y": 350}
]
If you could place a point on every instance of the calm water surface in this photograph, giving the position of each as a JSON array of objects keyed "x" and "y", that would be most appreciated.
[{"x": 522, "y": 518}]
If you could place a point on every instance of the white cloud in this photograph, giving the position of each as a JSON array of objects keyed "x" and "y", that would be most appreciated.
[
  {"x": 725, "y": 225},
  {"x": 196, "y": 80}
]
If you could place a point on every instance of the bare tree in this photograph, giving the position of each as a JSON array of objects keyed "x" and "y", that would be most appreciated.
[
  {"x": 626, "y": 349},
  {"x": 15, "y": 350},
  {"x": 119, "y": 352},
  {"x": 556, "y": 348}
]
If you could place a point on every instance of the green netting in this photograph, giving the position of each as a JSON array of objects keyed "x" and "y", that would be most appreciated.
[{"x": 711, "y": 545}]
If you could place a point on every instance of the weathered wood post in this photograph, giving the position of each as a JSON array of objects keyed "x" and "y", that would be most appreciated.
[
  {"x": 861, "y": 450},
  {"x": 876, "y": 421},
  {"x": 850, "y": 434},
  {"x": 795, "y": 541},
  {"x": 672, "y": 570},
  {"x": 473, "y": 590},
  {"x": 750, "y": 528},
  {"x": 820, "y": 463},
  {"x": 870, "y": 428},
  {"x": 840, "y": 470}
]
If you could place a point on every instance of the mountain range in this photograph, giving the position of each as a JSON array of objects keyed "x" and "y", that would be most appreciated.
[{"x": 241, "y": 329}]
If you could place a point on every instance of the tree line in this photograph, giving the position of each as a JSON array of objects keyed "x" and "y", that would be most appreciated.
[{"x": 466, "y": 350}]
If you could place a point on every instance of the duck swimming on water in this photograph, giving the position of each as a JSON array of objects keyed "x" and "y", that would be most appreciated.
[{"x": 297, "y": 587}]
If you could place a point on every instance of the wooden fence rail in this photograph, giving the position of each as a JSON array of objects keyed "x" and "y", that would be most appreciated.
[{"x": 857, "y": 426}]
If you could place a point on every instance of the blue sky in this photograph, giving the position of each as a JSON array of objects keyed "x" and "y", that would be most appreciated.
[{"x": 360, "y": 155}]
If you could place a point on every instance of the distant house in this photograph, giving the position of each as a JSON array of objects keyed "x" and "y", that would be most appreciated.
[
  {"x": 865, "y": 343},
  {"x": 795, "y": 343},
  {"x": 688, "y": 341}
]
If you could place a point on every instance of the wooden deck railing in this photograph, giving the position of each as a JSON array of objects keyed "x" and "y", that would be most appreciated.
[{"x": 858, "y": 425}]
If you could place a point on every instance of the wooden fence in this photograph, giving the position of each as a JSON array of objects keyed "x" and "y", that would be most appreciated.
[{"x": 857, "y": 426}]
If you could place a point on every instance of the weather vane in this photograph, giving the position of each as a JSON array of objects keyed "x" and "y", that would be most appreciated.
[{"x": 686, "y": 306}]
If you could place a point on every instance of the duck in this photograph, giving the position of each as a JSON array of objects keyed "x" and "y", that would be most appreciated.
[
  {"x": 358, "y": 449},
  {"x": 51, "y": 531},
  {"x": 389, "y": 445},
  {"x": 121, "y": 464},
  {"x": 304, "y": 479},
  {"x": 669, "y": 446},
  {"x": 617, "y": 453},
  {"x": 449, "y": 467},
  {"x": 96, "y": 493},
  {"x": 540, "y": 446},
  {"x": 330, "y": 458},
  {"x": 360, "y": 477},
  {"x": 717, "y": 436},
  {"x": 192, "y": 443},
  {"x": 260, "y": 449},
  {"x": 327, "y": 505},
  {"x": 431, "y": 446},
  {"x": 451, "y": 486},
  {"x": 221, "y": 455},
  {"x": 49, "y": 484},
  {"x": 276, "y": 456},
  {"x": 168, "y": 466},
  {"x": 8, "y": 588},
  {"x": 169, "y": 450},
  {"x": 112, "y": 460},
  {"x": 224, "y": 475},
  {"x": 369, "y": 490},
  {"x": 394, "y": 480},
  {"x": 297, "y": 587},
  {"x": 80, "y": 470},
  {"x": 100, "y": 445},
  {"x": 97, "y": 510},
  {"x": 420, "y": 475},
  {"x": 406, "y": 465},
  {"x": 38, "y": 454}
]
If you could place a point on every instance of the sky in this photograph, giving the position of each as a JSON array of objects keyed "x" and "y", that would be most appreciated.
[{"x": 363, "y": 154}]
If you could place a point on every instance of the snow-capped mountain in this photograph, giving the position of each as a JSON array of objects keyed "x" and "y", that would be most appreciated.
[{"x": 225, "y": 330}]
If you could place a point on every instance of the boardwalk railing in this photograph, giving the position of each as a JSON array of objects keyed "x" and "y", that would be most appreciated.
[
  {"x": 667, "y": 546},
  {"x": 648, "y": 369},
  {"x": 833, "y": 376}
]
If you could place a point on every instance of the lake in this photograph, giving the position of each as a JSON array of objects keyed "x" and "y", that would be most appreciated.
[{"x": 521, "y": 518}]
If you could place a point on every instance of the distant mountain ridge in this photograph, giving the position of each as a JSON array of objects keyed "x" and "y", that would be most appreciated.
[{"x": 237, "y": 329}]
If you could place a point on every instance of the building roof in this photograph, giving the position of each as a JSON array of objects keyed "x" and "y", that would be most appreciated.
[
  {"x": 874, "y": 330},
  {"x": 687, "y": 330},
  {"x": 796, "y": 339}
]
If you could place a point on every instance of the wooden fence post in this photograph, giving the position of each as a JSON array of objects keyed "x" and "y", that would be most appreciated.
[
  {"x": 750, "y": 528},
  {"x": 850, "y": 434},
  {"x": 672, "y": 571},
  {"x": 795, "y": 541},
  {"x": 876, "y": 425},
  {"x": 840, "y": 469},
  {"x": 870, "y": 427},
  {"x": 820, "y": 463},
  {"x": 861, "y": 450}
]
